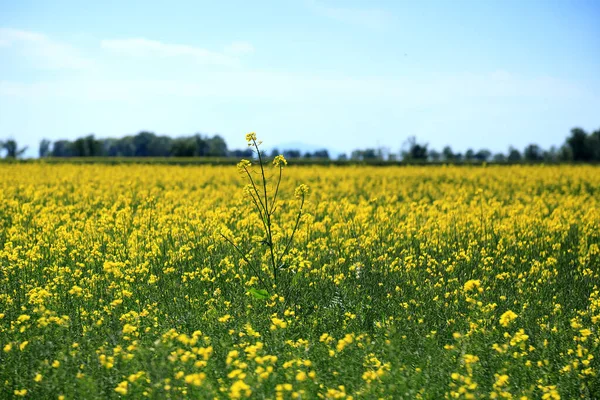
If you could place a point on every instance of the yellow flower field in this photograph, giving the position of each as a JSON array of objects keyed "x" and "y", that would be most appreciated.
[{"x": 400, "y": 282}]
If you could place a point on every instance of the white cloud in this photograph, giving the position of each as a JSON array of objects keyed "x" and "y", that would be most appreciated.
[
  {"x": 240, "y": 48},
  {"x": 409, "y": 93},
  {"x": 152, "y": 48},
  {"x": 41, "y": 51},
  {"x": 373, "y": 18}
]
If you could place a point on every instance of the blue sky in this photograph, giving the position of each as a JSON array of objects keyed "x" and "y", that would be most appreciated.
[{"x": 336, "y": 74}]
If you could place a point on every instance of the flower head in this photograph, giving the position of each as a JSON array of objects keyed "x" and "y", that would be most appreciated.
[
  {"x": 279, "y": 160},
  {"x": 243, "y": 165},
  {"x": 507, "y": 318},
  {"x": 122, "y": 388},
  {"x": 471, "y": 284},
  {"x": 250, "y": 138},
  {"x": 301, "y": 191}
]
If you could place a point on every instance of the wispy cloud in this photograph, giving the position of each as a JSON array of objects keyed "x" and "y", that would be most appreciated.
[
  {"x": 42, "y": 51},
  {"x": 153, "y": 48},
  {"x": 240, "y": 48},
  {"x": 282, "y": 87},
  {"x": 373, "y": 18}
]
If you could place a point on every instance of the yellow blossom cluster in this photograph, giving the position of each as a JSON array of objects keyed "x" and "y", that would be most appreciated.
[{"x": 400, "y": 282}]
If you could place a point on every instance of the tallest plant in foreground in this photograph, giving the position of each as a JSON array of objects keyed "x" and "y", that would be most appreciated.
[{"x": 264, "y": 199}]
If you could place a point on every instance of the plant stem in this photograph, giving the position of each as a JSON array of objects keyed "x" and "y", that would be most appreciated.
[
  {"x": 268, "y": 214},
  {"x": 294, "y": 231},
  {"x": 245, "y": 259}
]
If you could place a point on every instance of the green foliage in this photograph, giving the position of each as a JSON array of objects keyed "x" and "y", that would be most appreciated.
[{"x": 260, "y": 294}]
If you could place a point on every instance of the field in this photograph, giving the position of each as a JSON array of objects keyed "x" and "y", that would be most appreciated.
[{"x": 400, "y": 282}]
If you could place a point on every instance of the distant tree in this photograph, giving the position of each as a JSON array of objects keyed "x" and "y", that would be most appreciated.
[
  {"x": 470, "y": 155},
  {"x": 126, "y": 147},
  {"x": 203, "y": 146},
  {"x": 12, "y": 148},
  {"x": 160, "y": 145},
  {"x": 87, "y": 147},
  {"x": 291, "y": 153},
  {"x": 275, "y": 152},
  {"x": 183, "y": 147},
  {"x": 594, "y": 144},
  {"x": 499, "y": 158},
  {"x": 216, "y": 146},
  {"x": 579, "y": 144},
  {"x": 308, "y": 155},
  {"x": 533, "y": 153},
  {"x": 434, "y": 155},
  {"x": 551, "y": 155},
  {"x": 447, "y": 154},
  {"x": 565, "y": 153},
  {"x": 356, "y": 155},
  {"x": 321, "y": 154},
  {"x": 44, "y": 150},
  {"x": 414, "y": 150},
  {"x": 62, "y": 148},
  {"x": 483, "y": 155},
  {"x": 143, "y": 143},
  {"x": 371, "y": 154},
  {"x": 514, "y": 155},
  {"x": 342, "y": 157}
]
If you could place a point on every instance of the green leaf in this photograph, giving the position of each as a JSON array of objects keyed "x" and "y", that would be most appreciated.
[{"x": 260, "y": 294}]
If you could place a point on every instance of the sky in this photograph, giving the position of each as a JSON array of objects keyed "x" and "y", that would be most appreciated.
[{"x": 335, "y": 74}]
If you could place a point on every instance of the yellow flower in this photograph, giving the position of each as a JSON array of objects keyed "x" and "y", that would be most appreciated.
[
  {"x": 23, "y": 345},
  {"x": 278, "y": 323},
  {"x": 55, "y": 364},
  {"x": 8, "y": 347},
  {"x": 585, "y": 332},
  {"x": 471, "y": 284},
  {"x": 225, "y": 318},
  {"x": 301, "y": 376},
  {"x": 232, "y": 355},
  {"x": 470, "y": 359},
  {"x": 23, "y": 317},
  {"x": 243, "y": 165},
  {"x": 250, "y": 138},
  {"x": 76, "y": 290},
  {"x": 279, "y": 161},
  {"x": 301, "y": 191},
  {"x": 239, "y": 389},
  {"x": 127, "y": 328},
  {"x": 38, "y": 377},
  {"x": 20, "y": 393},
  {"x": 122, "y": 388},
  {"x": 195, "y": 379},
  {"x": 501, "y": 380},
  {"x": 507, "y": 318}
]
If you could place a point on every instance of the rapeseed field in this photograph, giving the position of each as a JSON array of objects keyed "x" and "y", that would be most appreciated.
[{"x": 147, "y": 281}]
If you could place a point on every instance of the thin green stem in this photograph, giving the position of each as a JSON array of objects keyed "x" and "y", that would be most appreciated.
[
  {"x": 262, "y": 218},
  {"x": 245, "y": 259},
  {"x": 255, "y": 189},
  {"x": 269, "y": 232},
  {"x": 294, "y": 231},
  {"x": 276, "y": 190}
]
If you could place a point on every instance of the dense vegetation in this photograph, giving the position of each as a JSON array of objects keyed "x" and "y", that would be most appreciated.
[{"x": 437, "y": 282}]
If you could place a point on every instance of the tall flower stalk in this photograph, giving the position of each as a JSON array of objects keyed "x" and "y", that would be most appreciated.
[{"x": 265, "y": 203}]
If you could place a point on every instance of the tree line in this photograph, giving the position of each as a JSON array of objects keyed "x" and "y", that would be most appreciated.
[{"x": 579, "y": 146}]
